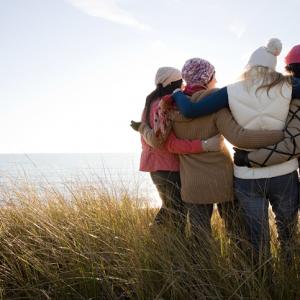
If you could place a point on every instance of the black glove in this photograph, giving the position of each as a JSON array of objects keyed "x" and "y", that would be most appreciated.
[
  {"x": 135, "y": 125},
  {"x": 240, "y": 158}
]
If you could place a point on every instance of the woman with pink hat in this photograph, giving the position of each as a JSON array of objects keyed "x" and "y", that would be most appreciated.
[
  {"x": 206, "y": 178},
  {"x": 261, "y": 100}
]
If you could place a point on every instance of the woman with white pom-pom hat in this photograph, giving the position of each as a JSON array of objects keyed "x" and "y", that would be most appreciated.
[{"x": 259, "y": 101}]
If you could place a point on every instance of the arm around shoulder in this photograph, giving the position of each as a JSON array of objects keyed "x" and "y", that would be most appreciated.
[{"x": 209, "y": 104}]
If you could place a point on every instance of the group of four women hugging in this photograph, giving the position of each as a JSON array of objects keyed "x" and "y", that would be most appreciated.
[{"x": 183, "y": 148}]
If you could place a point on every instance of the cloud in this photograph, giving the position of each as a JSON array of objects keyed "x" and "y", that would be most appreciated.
[
  {"x": 158, "y": 46},
  {"x": 108, "y": 10},
  {"x": 238, "y": 28}
]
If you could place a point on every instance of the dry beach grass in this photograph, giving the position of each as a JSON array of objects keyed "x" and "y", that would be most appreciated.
[{"x": 97, "y": 245}]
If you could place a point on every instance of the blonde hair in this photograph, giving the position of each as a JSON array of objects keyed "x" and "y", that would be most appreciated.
[{"x": 267, "y": 77}]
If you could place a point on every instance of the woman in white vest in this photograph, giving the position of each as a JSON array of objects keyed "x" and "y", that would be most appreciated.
[{"x": 259, "y": 101}]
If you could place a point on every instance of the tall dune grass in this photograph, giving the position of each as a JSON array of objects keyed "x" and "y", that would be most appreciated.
[{"x": 98, "y": 245}]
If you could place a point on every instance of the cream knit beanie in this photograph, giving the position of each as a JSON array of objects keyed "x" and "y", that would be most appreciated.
[
  {"x": 166, "y": 75},
  {"x": 266, "y": 56}
]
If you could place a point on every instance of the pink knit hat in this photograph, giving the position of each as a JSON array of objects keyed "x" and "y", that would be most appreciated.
[
  {"x": 197, "y": 71},
  {"x": 293, "y": 57}
]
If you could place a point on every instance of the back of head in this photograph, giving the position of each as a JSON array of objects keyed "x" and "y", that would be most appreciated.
[
  {"x": 166, "y": 75},
  {"x": 292, "y": 61},
  {"x": 167, "y": 79},
  {"x": 197, "y": 71},
  {"x": 266, "y": 56}
]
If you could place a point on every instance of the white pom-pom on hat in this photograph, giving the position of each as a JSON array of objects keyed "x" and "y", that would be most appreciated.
[
  {"x": 266, "y": 56},
  {"x": 274, "y": 46}
]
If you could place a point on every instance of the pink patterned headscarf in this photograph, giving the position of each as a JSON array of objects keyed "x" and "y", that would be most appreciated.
[{"x": 197, "y": 71}]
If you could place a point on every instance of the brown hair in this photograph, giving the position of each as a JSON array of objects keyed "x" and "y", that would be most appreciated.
[
  {"x": 293, "y": 69},
  {"x": 270, "y": 78}
]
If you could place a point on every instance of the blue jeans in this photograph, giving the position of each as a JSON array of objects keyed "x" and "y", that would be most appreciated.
[{"x": 254, "y": 196}]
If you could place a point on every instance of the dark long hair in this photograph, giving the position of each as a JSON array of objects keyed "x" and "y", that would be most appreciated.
[
  {"x": 159, "y": 92},
  {"x": 294, "y": 69}
]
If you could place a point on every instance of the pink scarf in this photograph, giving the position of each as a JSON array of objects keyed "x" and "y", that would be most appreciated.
[{"x": 191, "y": 89}]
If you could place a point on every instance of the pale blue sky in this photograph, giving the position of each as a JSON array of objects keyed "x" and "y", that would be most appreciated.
[{"x": 73, "y": 73}]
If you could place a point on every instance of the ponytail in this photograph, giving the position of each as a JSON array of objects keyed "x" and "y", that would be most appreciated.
[{"x": 149, "y": 99}]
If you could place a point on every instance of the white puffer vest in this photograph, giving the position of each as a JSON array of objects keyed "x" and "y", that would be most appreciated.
[{"x": 254, "y": 109}]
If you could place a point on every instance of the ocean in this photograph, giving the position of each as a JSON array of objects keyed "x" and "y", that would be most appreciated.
[{"x": 117, "y": 170}]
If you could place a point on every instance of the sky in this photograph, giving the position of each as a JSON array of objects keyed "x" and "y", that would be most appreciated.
[{"x": 73, "y": 73}]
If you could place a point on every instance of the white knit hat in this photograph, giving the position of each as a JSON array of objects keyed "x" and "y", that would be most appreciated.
[
  {"x": 166, "y": 75},
  {"x": 266, "y": 56}
]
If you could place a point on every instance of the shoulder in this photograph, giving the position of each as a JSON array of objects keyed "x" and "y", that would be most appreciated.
[
  {"x": 201, "y": 94},
  {"x": 223, "y": 113},
  {"x": 237, "y": 87}
]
